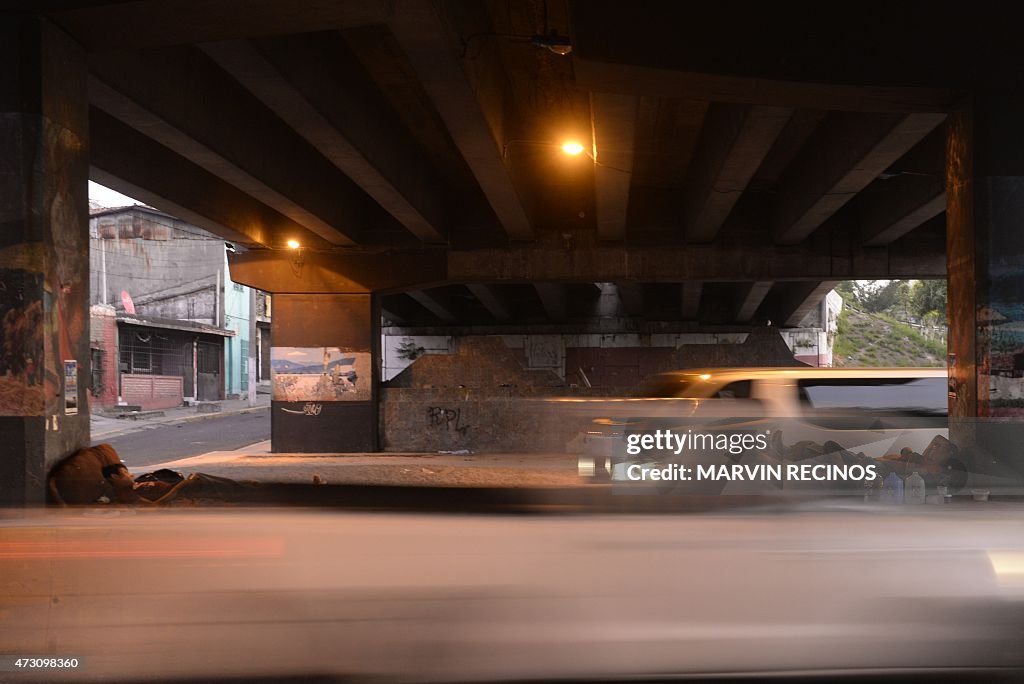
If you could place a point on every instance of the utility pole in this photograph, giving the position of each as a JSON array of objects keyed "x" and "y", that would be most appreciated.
[
  {"x": 216, "y": 302},
  {"x": 103, "y": 271},
  {"x": 251, "y": 361}
]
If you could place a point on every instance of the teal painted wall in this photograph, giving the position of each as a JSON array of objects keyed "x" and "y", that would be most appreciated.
[{"x": 236, "y": 349}]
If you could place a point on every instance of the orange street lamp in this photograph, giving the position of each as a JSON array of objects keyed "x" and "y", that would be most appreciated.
[{"x": 572, "y": 148}]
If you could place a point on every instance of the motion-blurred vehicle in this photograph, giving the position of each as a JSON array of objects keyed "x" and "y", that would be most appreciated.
[
  {"x": 788, "y": 392},
  {"x": 871, "y": 411}
]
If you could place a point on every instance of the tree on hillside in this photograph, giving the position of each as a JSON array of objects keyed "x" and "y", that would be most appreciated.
[
  {"x": 846, "y": 290},
  {"x": 892, "y": 296},
  {"x": 928, "y": 299},
  {"x": 924, "y": 300}
]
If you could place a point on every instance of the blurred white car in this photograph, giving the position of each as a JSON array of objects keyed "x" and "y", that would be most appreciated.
[{"x": 874, "y": 411}]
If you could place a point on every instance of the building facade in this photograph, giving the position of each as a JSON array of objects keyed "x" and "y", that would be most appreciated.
[{"x": 168, "y": 325}]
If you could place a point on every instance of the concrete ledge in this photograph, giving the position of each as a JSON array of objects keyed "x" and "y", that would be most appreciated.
[
  {"x": 114, "y": 411},
  {"x": 208, "y": 407},
  {"x": 141, "y": 415}
]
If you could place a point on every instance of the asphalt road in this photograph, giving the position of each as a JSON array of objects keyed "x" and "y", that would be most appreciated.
[
  {"x": 166, "y": 442},
  {"x": 921, "y": 594}
]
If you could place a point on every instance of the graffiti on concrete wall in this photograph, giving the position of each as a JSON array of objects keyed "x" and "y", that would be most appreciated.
[
  {"x": 441, "y": 418},
  {"x": 317, "y": 374},
  {"x": 544, "y": 351},
  {"x": 308, "y": 409}
]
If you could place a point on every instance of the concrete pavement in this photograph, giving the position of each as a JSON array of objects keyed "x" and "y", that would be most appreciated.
[
  {"x": 482, "y": 483},
  {"x": 257, "y": 463},
  {"x": 552, "y": 477}
]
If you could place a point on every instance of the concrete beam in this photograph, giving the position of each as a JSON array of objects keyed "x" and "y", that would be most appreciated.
[
  {"x": 734, "y": 141},
  {"x": 432, "y": 302},
  {"x": 925, "y": 204},
  {"x": 472, "y": 110},
  {"x": 848, "y": 152},
  {"x": 744, "y": 53},
  {"x": 314, "y": 84},
  {"x": 632, "y": 297},
  {"x": 838, "y": 256},
  {"x": 158, "y": 23},
  {"x": 491, "y": 301},
  {"x": 552, "y": 298},
  {"x": 753, "y": 295},
  {"x": 613, "y": 120},
  {"x": 390, "y": 315},
  {"x": 123, "y": 159},
  {"x": 890, "y": 208},
  {"x": 312, "y": 272},
  {"x": 628, "y": 79},
  {"x": 400, "y": 306},
  {"x": 796, "y": 300},
  {"x": 588, "y": 326},
  {"x": 180, "y": 98},
  {"x": 690, "y": 292},
  {"x": 923, "y": 258}
]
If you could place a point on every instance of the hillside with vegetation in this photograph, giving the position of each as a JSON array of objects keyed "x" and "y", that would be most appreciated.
[{"x": 891, "y": 324}]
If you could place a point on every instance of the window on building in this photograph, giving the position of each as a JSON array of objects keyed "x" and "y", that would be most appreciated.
[
  {"x": 142, "y": 360},
  {"x": 96, "y": 378},
  {"x": 137, "y": 347},
  {"x": 125, "y": 356}
]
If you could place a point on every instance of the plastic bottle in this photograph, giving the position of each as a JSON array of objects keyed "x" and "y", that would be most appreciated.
[
  {"x": 892, "y": 489},
  {"x": 915, "y": 492}
]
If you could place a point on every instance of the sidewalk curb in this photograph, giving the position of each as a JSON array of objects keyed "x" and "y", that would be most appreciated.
[
  {"x": 138, "y": 426},
  {"x": 219, "y": 414}
]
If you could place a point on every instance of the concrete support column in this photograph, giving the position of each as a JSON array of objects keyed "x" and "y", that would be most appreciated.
[
  {"x": 985, "y": 252},
  {"x": 325, "y": 373},
  {"x": 44, "y": 254}
]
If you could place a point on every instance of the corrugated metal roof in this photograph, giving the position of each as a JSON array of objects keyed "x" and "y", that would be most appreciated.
[{"x": 173, "y": 324}]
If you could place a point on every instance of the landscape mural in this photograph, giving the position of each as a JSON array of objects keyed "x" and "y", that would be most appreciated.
[{"x": 319, "y": 374}]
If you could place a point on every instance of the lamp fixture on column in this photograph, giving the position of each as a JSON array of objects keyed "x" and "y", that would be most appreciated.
[{"x": 298, "y": 260}]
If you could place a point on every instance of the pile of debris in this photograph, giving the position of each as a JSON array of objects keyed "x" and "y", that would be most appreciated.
[{"x": 937, "y": 465}]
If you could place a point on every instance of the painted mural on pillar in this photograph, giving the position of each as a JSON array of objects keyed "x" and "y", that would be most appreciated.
[
  {"x": 44, "y": 271},
  {"x": 1001, "y": 333},
  {"x": 320, "y": 374},
  {"x": 66, "y": 284},
  {"x": 21, "y": 354},
  {"x": 999, "y": 313}
]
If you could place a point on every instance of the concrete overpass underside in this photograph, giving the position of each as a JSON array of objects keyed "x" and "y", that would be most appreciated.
[{"x": 737, "y": 160}]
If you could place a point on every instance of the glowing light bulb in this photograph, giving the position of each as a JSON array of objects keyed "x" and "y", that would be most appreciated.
[
  {"x": 572, "y": 148},
  {"x": 294, "y": 244}
]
